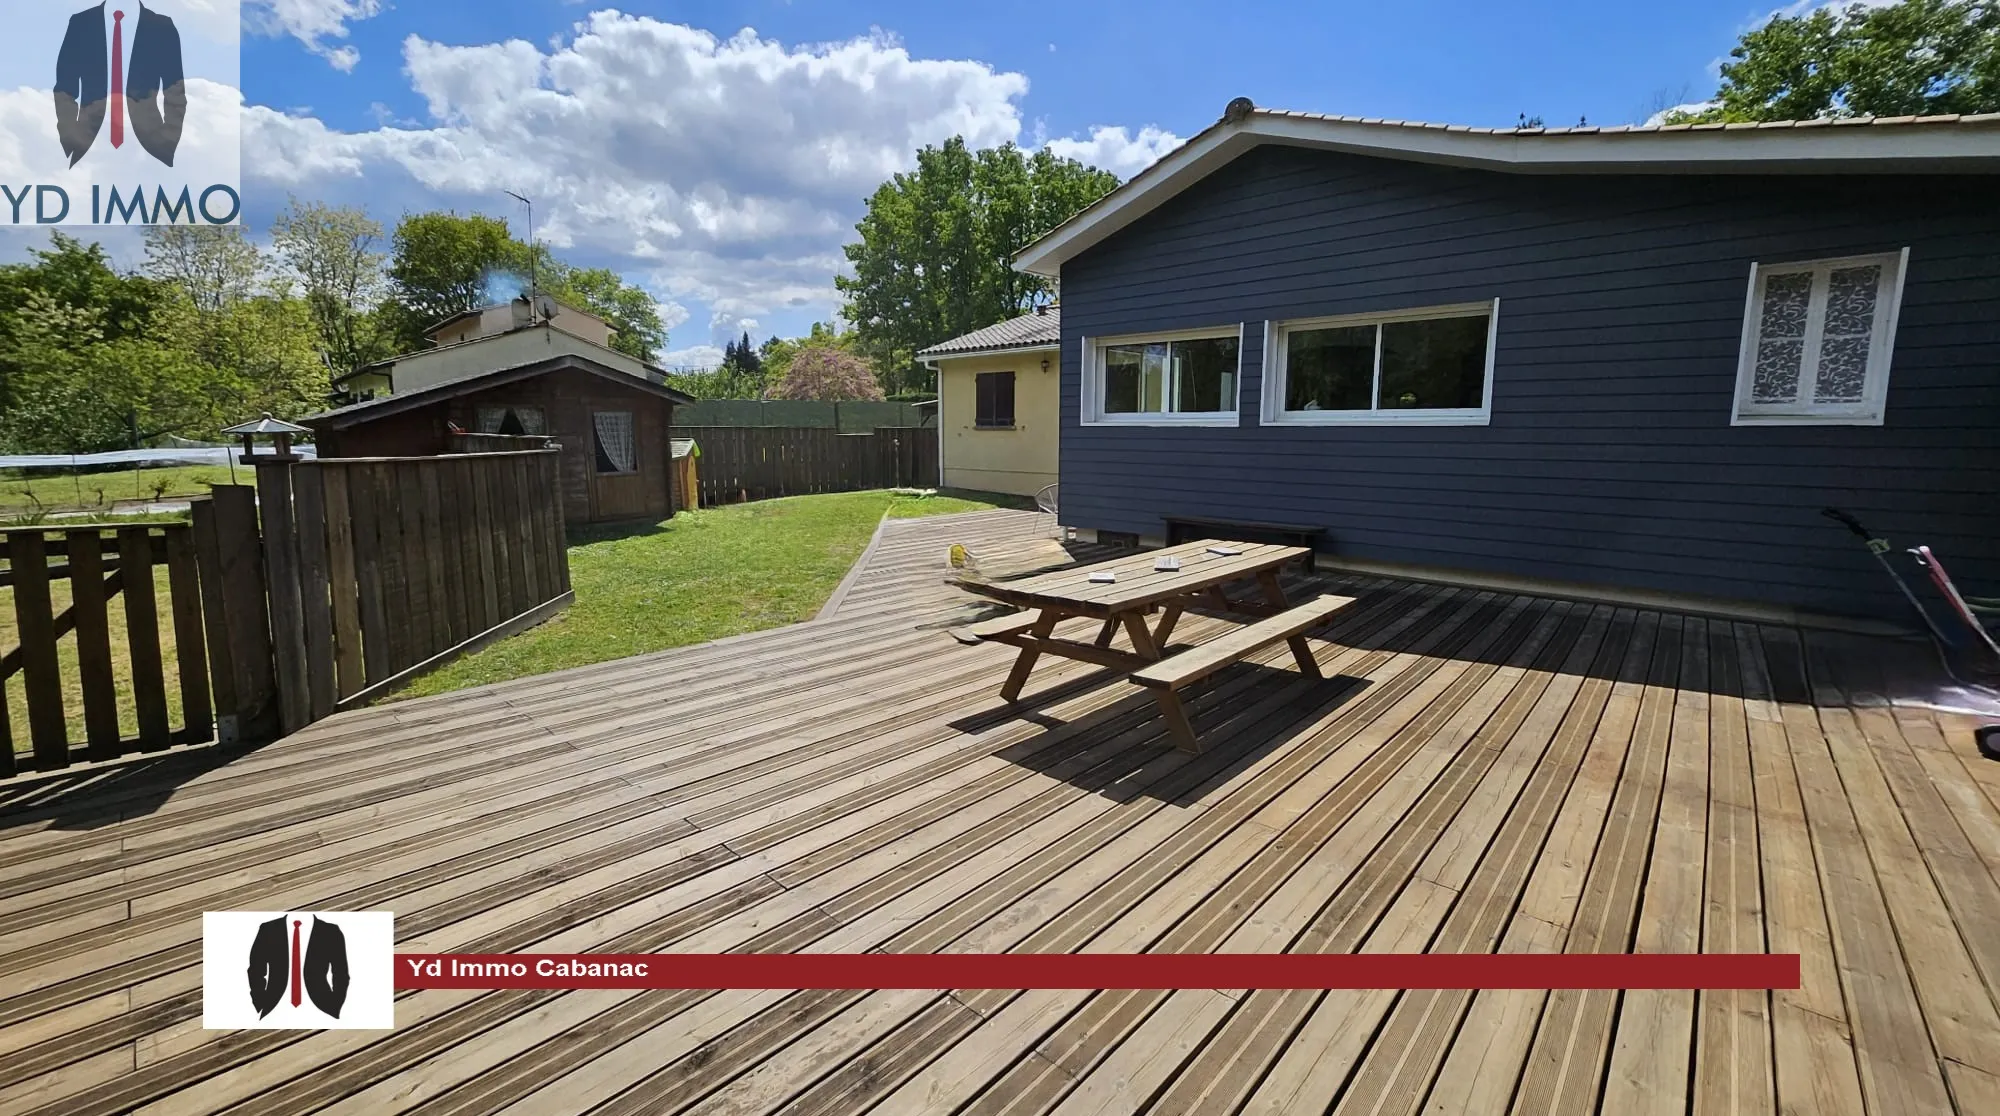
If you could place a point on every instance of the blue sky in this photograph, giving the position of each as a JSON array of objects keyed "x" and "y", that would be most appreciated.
[{"x": 722, "y": 168}]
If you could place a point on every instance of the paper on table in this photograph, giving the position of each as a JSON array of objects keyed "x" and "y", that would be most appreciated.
[
  {"x": 1224, "y": 551},
  {"x": 1105, "y": 578},
  {"x": 1168, "y": 563}
]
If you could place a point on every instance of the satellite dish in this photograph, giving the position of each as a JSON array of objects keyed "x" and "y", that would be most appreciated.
[{"x": 545, "y": 307}]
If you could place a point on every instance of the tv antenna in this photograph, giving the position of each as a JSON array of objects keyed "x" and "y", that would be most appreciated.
[{"x": 533, "y": 288}]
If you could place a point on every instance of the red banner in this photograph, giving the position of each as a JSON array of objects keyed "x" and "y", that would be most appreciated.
[{"x": 1098, "y": 970}]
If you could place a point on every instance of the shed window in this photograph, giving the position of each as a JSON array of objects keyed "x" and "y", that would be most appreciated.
[
  {"x": 1164, "y": 379},
  {"x": 507, "y": 418},
  {"x": 1817, "y": 341},
  {"x": 1428, "y": 366},
  {"x": 616, "y": 450},
  {"x": 996, "y": 400}
]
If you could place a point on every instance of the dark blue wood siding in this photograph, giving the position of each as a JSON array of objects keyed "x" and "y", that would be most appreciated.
[{"x": 1610, "y": 458}]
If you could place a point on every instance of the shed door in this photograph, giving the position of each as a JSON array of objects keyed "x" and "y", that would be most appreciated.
[{"x": 620, "y": 444}]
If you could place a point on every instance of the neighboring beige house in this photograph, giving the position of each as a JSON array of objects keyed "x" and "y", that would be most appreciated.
[
  {"x": 561, "y": 327},
  {"x": 997, "y": 426}
]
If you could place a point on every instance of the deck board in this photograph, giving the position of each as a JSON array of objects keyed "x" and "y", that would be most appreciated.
[{"x": 1479, "y": 771}]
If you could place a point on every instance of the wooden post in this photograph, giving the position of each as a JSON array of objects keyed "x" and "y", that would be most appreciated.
[
  {"x": 316, "y": 605},
  {"x": 245, "y": 600},
  {"x": 93, "y": 643},
  {"x": 281, "y": 559},
  {"x": 34, "y": 618},
  {"x": 559, "y": 531},
  {"x": 221, "y": 667},
  {"x": 142, "y": 635},
  {"x": 489, "y": 580},
  {"x": 343, "y": 581},
  {"x": 184, "y": 592}
]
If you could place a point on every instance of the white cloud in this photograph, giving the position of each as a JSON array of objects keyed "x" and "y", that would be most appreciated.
[
  {"x": 725, "y": 172},
  {"x": 1660, "y": 117},
  {"x": 313, "y": 23},
  {"x": 697, "y": 357},
  {"x": 1118, "y": 151}
]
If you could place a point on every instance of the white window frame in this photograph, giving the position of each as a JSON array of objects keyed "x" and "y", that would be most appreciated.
[
  {"x": 1275, "y": 348},
  {"x": 1881, "y": 345},
  {"x": 1092, "y": 403}
]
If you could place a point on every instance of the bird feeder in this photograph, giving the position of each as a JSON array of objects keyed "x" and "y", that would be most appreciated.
[{"x": 278, "y": 430}]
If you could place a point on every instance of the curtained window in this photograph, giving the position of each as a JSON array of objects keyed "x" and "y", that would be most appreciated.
[
  {"x": 617, "y": 451},
  {"x": 509, "y": 419}
]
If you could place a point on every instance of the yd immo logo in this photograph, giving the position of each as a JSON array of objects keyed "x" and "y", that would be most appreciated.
[
  {"x": 130, "y": 71},
  {"x": 298, "y": 969},
  {"x": 125, "y": 113}
]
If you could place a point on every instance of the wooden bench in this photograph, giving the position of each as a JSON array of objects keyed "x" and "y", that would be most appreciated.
[
  {"x": 1168, "y": 675},
  {"x": 1187, "y": 528},
  {"x": 1011, "y": 624}
]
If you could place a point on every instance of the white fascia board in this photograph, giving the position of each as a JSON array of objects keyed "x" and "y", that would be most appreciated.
[{"x": 1795, "y": 149}]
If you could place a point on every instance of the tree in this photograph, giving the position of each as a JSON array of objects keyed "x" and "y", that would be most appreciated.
[
  {"x": 78, "y": 392},
  {"x": 216, "y": 265},
  {"x": 1916, "y": 57},
  {"x": 742, "y": 362},
  {"x": 331, "y": 253},
  {"x": 441, "y": 264},
  {"x": 637, "y": 330},
  {"x": 828, "y": 374},
  {"x": 75, "y": 278},
  {"x": 444, "y": 264},
  {"x": 934, "y": 258},
  {"x": 776, "y": 353}
]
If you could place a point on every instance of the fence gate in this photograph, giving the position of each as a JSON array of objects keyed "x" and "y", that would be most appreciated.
[{"x": 72, "y": 589}]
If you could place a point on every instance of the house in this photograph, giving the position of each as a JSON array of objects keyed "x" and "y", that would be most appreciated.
[
  {"x": 997, "y": 404},
  {"x": 374, "y": 380},
  {"x": 1636, "y": 361},
  {"x": 530, "y": 375}
]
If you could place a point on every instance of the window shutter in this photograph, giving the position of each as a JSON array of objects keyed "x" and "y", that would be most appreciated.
[{"x": 1003, "y": 399}]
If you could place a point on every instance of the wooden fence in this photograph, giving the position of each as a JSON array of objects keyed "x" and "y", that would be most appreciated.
[
  {"x": 102, "y": 566},
  {"x": 366, "y": 573},
  {"x": 761, "y": 462},
  {"x": 384, "y": 568}
]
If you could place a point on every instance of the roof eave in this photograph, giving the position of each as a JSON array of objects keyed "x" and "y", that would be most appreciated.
[
  {"x": 1901, "y": 148},
  {"x": 930, "y": 357},
  {"x": 341, "y": 417}
]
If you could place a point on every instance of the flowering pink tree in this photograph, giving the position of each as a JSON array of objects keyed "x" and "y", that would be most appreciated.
[{"x": 828, "y": 374}]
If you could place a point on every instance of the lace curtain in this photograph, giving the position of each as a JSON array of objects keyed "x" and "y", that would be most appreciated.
[{"x": 614, "y": 440}]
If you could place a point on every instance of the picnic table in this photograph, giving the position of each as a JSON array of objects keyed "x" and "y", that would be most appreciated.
[{"x": 1138, "y": 588}]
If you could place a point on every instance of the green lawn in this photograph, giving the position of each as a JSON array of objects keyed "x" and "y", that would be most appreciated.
[
  {"x": 700, "y": 576},
  {"x": 26, "y": 491}
]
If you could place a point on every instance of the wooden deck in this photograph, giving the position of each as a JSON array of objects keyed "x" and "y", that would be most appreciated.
[{"x": 1479, "y": 772}]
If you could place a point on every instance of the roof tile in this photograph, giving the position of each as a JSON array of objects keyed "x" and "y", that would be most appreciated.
[{"x": 1029, "y": 331}]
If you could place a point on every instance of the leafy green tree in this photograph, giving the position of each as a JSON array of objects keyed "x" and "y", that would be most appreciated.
[
  {"x": 79, "y": 392},
  {"x": 216, "y": 265},
  {"x": 936, "y": 246},
  {"x": 637, "y": 330},
  {"x": 75, "y": 277},
  {"x": 331, "y": 254},
  {"x": 1913, "y": 58},
  {"x": 440, "y": 265},
  {"x": 444, "y": 264}
]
